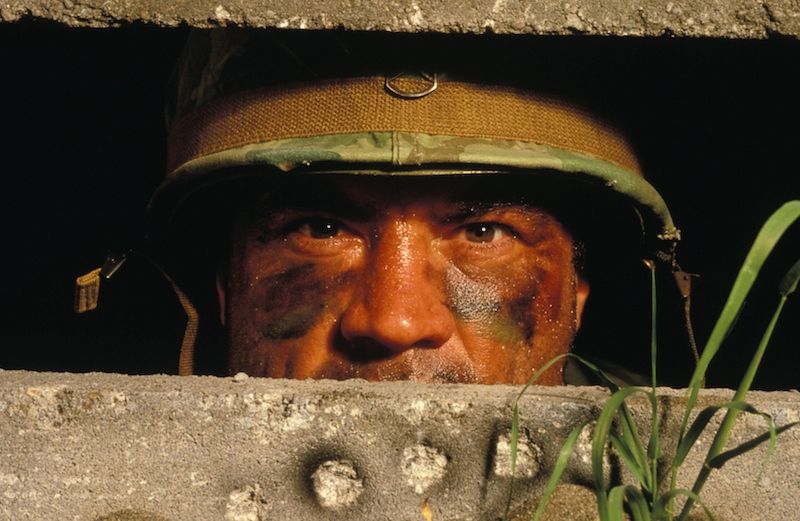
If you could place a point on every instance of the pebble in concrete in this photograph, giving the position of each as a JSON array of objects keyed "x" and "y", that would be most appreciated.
[
  {"x": 529, "y": 456},
  {"x": 246, "y": 504},
  {"x": 423, "y": 466},
  {"x": 336, "y": 484},
  {"x": 240, "y": 377}
]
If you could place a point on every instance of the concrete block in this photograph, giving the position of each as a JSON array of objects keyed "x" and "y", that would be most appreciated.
[
  {"x": 711, "y": 18},
  {"x": 112, "y": 447}
]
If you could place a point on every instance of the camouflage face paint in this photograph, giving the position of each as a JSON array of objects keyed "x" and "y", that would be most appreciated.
[
  {"x": 480, "y": 305},
  {"x": 469, "y": 299},
  {"x": 293, "y": 324},
  {"x": 298, "y": 296},
  {"x": 400, "y": 285},
  {"x": 519, "y": 314}
]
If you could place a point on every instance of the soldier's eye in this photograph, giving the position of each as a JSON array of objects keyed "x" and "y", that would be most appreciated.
[
  {"x": 319, "y": 228},
  {"x": 484, "y": 232}
]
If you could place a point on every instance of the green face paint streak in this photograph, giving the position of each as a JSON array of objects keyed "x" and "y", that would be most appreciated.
[
  {"x": 293, "y": 324},
  {"x": 505, "y": 330}
]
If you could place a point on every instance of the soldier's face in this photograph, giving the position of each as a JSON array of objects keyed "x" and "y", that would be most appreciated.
[{"x": 433, "y": 280}]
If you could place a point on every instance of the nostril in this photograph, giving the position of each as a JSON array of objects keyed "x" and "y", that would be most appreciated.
[
  {"x": 427, "y": 344},
  {"x": 363, "y": 349},
  {"x": 370, "y": 332}
]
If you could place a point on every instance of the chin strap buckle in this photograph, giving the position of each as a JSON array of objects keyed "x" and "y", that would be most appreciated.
[{"x": 87, "y": 286}]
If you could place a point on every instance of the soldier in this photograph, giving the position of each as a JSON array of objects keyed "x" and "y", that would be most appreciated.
[{"x": 423, "y": 223}]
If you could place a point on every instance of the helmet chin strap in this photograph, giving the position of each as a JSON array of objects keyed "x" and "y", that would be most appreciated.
[
  {"x": 683, "y": 281},
  {"x": 186, "y": 356}
]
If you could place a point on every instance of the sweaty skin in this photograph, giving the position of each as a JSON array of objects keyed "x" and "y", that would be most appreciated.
[{"x": 399, "y": 279}]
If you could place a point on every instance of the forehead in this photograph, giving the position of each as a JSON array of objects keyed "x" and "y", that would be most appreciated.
[{"x": 370, "y": 194}]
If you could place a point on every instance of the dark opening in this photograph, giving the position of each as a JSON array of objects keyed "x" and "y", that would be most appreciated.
[{"x": 715, "y": 123}]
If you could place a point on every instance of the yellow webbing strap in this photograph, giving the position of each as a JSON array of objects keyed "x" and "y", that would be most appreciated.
[
  {"x": 357, "y": 105},
  {"x": 87, "y": 291},
  {"x": 186, "y": 356}
]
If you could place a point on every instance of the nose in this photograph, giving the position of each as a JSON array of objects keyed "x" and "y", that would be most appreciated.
[{"x": 399, "y": 303}]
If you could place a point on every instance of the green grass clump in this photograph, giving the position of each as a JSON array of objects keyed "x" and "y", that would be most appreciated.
[{"x": 649, "y": 499}]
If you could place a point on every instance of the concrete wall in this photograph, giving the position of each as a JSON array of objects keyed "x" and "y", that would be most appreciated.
[
  {"x": 109, "y": 447},
  {"x": 719, "y": 18},
  {"x": 101, "y": 446}
]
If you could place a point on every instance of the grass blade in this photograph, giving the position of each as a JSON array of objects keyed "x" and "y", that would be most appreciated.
[
  {"x": 599, "y": 373},
  {"x": 697, "y": 428},
  {"x": 631, "y": 436},
  {"x": 653, "y": 448},
  {"x": 630, "y": 432},
  {"x": 638, "y": 505},
  {"x": 561, "y": 464},
  {"x": 600, "y": 439},
  {"x": 515, "y": 425},
  {"x": 789, "y": 282},
  {"x": 616, "y": 503},
  {"x": 660, "y": 511},
  {"x": 720, "y": 440},
  {"x": 765, "y": 241},
  {"x": 626, "y": 456},
  {"x": 514, "y": 443},
  {"x": 515, "y": 420}
]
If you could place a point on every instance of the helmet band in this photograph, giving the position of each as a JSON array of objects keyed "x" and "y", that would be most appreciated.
[{"x": 361, "y": 105}]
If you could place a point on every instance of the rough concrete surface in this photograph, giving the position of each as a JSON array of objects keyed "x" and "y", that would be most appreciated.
[
  {"x": 718, "y": 18},
  {"x": 111, "y": 447}
]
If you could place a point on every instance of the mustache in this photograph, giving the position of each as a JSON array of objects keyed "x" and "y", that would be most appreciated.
[{"x": 369, "y": 360}]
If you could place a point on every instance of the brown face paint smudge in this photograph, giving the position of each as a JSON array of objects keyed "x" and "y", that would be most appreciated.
[
  {"x": 293, "y": 324},
  {"x": 298, "y": 296},
  {"x": 521, "y": 315},
  {"x": 292, "y": 277}
]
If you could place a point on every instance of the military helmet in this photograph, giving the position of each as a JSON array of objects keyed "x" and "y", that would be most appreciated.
[{"x": 242, "y": 99}]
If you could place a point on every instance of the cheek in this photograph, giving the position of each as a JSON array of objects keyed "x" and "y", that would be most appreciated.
[
  {"x": 554, "y": 301},
  {"x": 518, "y": 315},
  {"x": 277, "y": 310},
  {"x": 484, "y": 305},
  {"x": 292, "y": 301}
]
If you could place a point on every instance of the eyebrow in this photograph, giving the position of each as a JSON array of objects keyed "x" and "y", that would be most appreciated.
[
  {"x": 328, "y": 197},
  {"x": 472, "y": 208}
]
